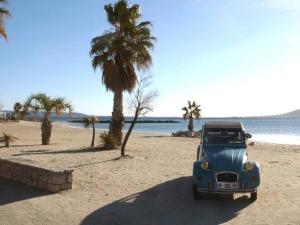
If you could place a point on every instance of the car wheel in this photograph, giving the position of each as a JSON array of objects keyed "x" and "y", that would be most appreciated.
[
  {"x": 253, "y": 196},
  {"x": 196, "y": 194}
]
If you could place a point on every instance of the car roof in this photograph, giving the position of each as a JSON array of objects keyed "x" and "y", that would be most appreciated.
[{"x": 223, "y": 124}]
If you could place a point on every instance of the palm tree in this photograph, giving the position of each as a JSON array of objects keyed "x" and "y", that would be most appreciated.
[
  {"x": 25, "y": 109},
  {"x": 4, "y": 14},
  {"x": 17, "y": 108},
  {"x": 88, "y": 121},
  {"x": 8, "y": 139},
  {"x": 47, "y": 104},
  {"x": 119, "y": 52},
  {"x": 192, "y": 111}
]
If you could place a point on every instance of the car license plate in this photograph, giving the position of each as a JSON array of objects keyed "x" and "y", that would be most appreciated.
[{"x": 223, "y": 185}]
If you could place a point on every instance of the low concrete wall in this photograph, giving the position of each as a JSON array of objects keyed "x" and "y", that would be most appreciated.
[{"x": 33, "y": 174}]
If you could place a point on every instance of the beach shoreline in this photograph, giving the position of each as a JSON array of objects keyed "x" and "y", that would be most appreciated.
[{"x": 151, "y": 187}]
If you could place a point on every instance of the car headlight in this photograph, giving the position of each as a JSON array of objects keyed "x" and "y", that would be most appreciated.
[
  {"x": 249, "y": 166},
  {"x": 204, "y": 165}
]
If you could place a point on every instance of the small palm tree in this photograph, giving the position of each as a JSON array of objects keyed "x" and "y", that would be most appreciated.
[
  {"x": 118, "y": 52},
  {"x": 88, "y": 121},
  {"x": 25, "y": 109},
  {"x": 8, "y": 139},
  {"x": 4, "y": 14},
  {"x": 47, "y": 105},
  {"x": 107, "y": 141},
  {"x": 190, "y": 112},
  {"x": 17, "y": 108}
]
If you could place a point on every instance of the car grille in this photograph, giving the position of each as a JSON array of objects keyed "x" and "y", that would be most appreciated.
[{"x": 227, "y": 177}]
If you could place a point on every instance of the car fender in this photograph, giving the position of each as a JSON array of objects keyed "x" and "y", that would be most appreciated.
[
  {"x": 200, "y": 176},
  {"x": 249, "y": 176}
]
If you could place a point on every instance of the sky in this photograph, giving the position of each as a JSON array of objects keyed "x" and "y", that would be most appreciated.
[{"x": 234, "y": 58}]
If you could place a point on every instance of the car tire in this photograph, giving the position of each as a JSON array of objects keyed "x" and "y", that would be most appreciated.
[
  {"x": 196, "y": 194},
  {"x": 253, "y": 196}
]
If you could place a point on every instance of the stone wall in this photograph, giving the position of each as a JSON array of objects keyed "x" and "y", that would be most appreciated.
[{"x": 33, "y": 174}]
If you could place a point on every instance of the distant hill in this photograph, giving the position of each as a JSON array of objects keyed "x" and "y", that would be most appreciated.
[{"x": 292, "y": 114}]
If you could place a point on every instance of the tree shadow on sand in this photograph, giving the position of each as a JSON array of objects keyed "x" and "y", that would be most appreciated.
[
  {"x": 169, "y": 203},
  {"x": 155, "y": 136},
  {"x": 17, "y": 146},
  {"x": 13, "y": 192},
  {"x": 68, "y": 151}
]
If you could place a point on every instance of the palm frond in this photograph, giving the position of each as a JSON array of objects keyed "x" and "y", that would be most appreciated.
[
  {"x": 4, "y": 14},
  {"x": 89, "y": 121},
  {"x": 194, "y": 104},
  {"x": 193, "y": 110},
  {"x": 43, "y": 102},
  {"x": 86, "y": 122},
  {"x": 101, "y": 43},
  {"x": 107, "y": 140},
  {"x": 93, "y": 119},
  {"x": 145, "y": 24},
  {"x": 17, "y": 106}
]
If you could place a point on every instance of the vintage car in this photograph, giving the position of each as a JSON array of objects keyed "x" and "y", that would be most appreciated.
[{"x": 222, "y": 164}]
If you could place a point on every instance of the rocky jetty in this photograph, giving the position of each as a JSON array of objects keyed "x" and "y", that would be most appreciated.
[{"x": 186, "y": 133}]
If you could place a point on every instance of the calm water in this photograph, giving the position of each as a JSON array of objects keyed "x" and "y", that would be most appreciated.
[{"x": 284, "y": 130}]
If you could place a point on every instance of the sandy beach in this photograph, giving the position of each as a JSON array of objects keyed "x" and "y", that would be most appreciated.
[{"x": 151, "y": 188}]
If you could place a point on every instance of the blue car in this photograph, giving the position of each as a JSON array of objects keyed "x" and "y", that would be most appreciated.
[{"x": 222, "y": 164}]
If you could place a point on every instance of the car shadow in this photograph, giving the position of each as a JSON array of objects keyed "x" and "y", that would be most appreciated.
[
  {"x": 169, "y": 203},
  {"x": 11, "y": 192}
]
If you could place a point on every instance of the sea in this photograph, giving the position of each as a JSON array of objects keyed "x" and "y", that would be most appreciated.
[{"x": 270, "y": 130}]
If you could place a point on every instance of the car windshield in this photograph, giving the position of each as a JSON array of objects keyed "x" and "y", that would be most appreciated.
[{"x": 223, "y": 136}]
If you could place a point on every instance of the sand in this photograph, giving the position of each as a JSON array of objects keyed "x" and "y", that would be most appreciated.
[{"x": 153, "y": 187}]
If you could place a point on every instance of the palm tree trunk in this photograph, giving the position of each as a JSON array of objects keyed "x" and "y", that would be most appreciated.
[
  {"x": 93, "y": 140},
  {"x": 191, "y": 125},
  {"x": 129, "y": 132},
  {"x": 46, "y": 130},
  {"x": 117, "y": 119}
]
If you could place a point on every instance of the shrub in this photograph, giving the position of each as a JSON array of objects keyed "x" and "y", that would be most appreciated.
[
  {"x": 107, "y": 141},
  {"x": 7, "y": 138}
]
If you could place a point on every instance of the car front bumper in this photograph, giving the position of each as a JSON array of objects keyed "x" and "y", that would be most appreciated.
[
  {"x": 225, "y": 191},
  {"x": 211, "y": 188}
]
